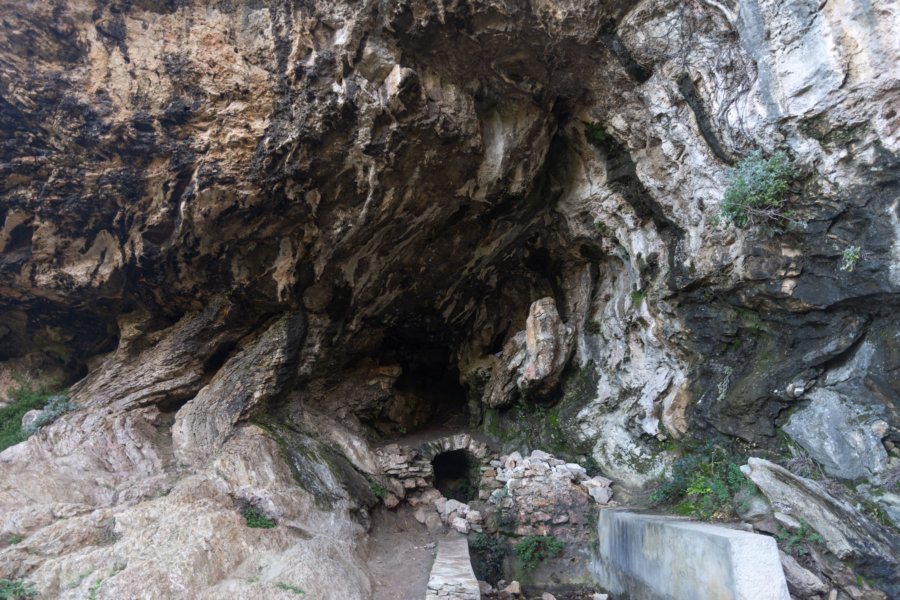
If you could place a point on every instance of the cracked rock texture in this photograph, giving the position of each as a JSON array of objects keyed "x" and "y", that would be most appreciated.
[{"x": 252, "y": 236}]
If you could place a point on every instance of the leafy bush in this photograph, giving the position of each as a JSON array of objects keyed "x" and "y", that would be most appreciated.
[
  {"x": 25, "y": 397},
  {"x": 289, "y": 588},
  {"x": 257, "y": 520},
  {"x": 535, "y": 549},
  {"x": 15, "y": 589},
  {"x": 702, "y": 484},
  {"x": 756, "y": 190}
]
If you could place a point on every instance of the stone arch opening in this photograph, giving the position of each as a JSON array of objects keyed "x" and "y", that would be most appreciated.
[{"x": 456, "y": 475}]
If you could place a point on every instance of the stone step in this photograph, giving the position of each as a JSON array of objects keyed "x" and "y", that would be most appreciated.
[{"x": 452, "y": 576}]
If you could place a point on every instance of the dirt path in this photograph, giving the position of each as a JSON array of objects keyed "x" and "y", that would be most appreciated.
[{"x": 400, "y": 554}]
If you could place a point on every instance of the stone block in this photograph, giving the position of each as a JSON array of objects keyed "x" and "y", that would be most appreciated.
[{"x": 656, "y": 558}]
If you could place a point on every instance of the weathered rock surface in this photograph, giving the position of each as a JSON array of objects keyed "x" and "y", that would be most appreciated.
[
  {"x": 844, "y": 530},
  {"x": 329, "y": 218}
]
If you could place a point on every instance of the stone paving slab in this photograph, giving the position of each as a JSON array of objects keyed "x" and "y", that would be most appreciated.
[{"x": 452, "y": 577}]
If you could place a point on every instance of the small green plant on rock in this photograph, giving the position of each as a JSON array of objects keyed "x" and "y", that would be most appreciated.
[
  {"x": 377, "y": 489},
  {"x": 15, "y": 539},
  {"x": 257, "y": 520},
  {"x": 95, "y": 589},
  {"x": 722, "y": 386},
  {"x": 850, "y": 258},
  {"x": 535, "y": 549},
  {"x": 592, "y": 327},
  {"x": 755, "y": 192},
  {"x": 15, "y": 589},
  {"x": 289, "y": 588},
  {"x": 637, "y": 297},
  {"x": 798, "y": 542}
]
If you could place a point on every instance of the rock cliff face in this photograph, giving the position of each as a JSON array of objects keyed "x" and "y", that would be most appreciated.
[{"x": 254, "y": 236}]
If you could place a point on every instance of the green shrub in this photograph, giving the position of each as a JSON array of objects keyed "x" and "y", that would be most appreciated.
[
  {"x": 15, "y": 589},
  {"x": 289, "y": 588},
  {"x": 25, "y": 397},
  {"x": 702, "y": 484},
  {"x": 756, "y": 191},
  {"x": 535, "y": 549},
  {"x": 15, "y": 539},
  {"x": 258, "y": 520}
]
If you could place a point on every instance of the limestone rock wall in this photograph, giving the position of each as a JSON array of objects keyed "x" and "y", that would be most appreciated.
[{"x": 334, "y": 219}]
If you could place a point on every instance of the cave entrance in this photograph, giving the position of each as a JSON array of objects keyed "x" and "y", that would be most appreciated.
[{"x": 455, "y": 475}]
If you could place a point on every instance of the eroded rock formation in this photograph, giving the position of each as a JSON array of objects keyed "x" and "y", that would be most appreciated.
[{"x": 255, "y": 237}]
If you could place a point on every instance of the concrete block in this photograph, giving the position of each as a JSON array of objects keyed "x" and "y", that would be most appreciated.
[{"x": 648, "y": 557}]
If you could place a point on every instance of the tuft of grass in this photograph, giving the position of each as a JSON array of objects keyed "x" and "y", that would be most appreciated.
[
  {"x": 95, "y": 589},
  {"x": 289, "y": 588},
  {"x": 257, "y": 520},
  {"x": 535, "y": 549},
  {"x": 637, "y": 297}
]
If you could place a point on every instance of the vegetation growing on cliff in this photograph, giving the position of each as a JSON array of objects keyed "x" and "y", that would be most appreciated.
[
  {"x": 702, "y": 484},
  {"x": 16, "y": 589},
  {"x": 27, "y": 396},
  {"x": 756, "y": 192},
  {"x": 535, "y": 549}
]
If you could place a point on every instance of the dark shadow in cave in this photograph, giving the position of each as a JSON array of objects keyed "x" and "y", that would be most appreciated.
[
  {"x": 453, "y": 475},
  {"x": 433, "y": 398}
]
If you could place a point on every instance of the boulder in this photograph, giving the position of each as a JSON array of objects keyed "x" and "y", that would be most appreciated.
[
  {"x": 461, "y": 525},
  {"x": 845, "y": 531},
  {"x": 598, "y": 488},
  {"x": 513, "y": 588},
  {"x": 801, "y": 582}
]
